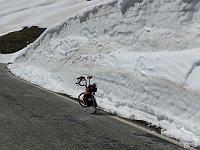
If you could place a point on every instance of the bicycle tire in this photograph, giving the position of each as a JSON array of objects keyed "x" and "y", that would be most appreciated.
[{"x": 80, "y": 100}]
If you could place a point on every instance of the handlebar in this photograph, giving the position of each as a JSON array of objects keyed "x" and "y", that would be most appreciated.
[{"x": 80, "y": 79}]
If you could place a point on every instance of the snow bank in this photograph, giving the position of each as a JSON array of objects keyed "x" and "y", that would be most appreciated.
[
  {"x": 143, "y": 55},
  {"x": 10, "y": 58},
  {"x": 17, "y": 14}
]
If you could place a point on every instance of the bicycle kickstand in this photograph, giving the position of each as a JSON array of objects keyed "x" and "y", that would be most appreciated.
[{"x": 86, "y": 109}]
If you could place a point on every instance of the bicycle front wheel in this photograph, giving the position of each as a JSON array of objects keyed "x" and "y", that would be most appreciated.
[{"x": 81, "y": 100}]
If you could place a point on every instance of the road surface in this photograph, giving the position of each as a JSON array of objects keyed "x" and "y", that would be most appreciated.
[{"x": 34, "y": 119}]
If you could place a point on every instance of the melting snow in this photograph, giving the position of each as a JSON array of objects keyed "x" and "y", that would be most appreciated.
[{"x": 144, "y": 56}]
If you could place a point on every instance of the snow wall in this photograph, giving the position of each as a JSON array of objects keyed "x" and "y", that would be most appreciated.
[{"x": 143, "y": 55}]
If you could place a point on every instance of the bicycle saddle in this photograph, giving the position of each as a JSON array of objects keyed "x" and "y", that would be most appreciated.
[{"x": 89, "y": 77}]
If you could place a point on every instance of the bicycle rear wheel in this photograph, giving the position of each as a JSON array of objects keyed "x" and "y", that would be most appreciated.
[{"x": 80, "y": 100}]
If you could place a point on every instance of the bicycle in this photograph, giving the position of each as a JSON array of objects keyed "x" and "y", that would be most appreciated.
[{"x": 86, "y": 98}]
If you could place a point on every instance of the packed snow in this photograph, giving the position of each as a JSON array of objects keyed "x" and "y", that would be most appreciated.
[
  {"x": 16, "y": 14},
  {"x": 143, "y": 55}
]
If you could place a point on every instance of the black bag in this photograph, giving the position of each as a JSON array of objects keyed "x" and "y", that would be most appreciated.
[
  {"x": 89, "y": 102},
  {"x": 93, "y": 87}
]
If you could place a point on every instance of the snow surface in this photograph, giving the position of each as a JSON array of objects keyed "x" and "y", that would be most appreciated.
[
  {"x": 15, "y": 14},
  {"x": 9, "y": 58},
  {"x": 143, "y": 54}
]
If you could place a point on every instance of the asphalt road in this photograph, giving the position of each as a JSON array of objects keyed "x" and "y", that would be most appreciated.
[{"x": 34, "y": 119}]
